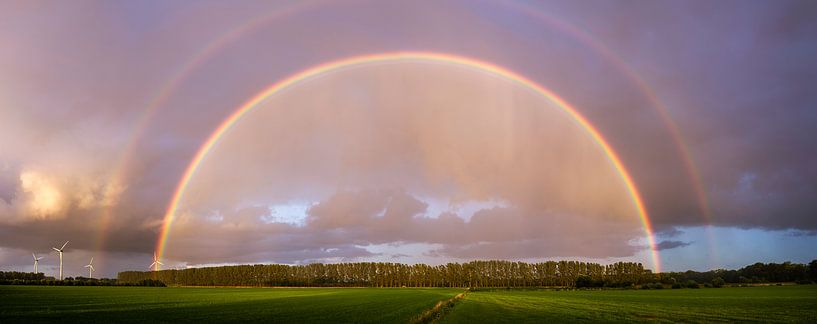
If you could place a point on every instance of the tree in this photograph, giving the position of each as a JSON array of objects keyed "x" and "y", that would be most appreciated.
[
  {"x": 584, "y": 282},
  {"x": 812, "y": 270},
  {"x": 692, "y": 284}
]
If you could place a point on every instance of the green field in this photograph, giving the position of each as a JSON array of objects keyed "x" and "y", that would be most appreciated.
[
  {"x": 764, "y": 304},
  {"x": 28, "y": 304},
  {"x": 399, "y": 305}
]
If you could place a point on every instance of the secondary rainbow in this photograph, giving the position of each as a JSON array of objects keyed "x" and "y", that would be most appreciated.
[
  {"x": 118, "y": 178},
  {"x": 320, "y": 69}
]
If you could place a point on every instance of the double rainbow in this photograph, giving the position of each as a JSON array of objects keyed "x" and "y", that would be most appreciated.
[{"x": 431, "y": 57}]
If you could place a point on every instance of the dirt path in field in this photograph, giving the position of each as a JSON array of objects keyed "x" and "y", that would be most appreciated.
[{"x": 439, "y": 310}]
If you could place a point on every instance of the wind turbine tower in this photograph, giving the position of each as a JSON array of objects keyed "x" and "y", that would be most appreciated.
[
  {"x": 155, "y": 265},
  {"x": 90, "y": 267},
  {"x": 36, "y": 262},
  {"x": 60, "y": 250}
]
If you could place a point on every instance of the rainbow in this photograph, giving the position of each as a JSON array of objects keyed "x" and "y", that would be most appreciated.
[
  {"x": 222, "y": 41},
  {"x": 433, "y": 57}
]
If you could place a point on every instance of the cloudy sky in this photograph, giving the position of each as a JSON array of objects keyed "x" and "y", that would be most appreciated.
[{"x": 709, "y": 105}]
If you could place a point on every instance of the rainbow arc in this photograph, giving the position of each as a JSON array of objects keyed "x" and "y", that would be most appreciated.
[{"x": 396, "y": 57}]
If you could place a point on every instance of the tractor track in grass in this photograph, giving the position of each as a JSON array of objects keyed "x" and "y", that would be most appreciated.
[{"x": 439, "y": 310}]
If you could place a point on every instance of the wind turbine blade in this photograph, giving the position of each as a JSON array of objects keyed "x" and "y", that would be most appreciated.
[
  {"x": 38, "y": 259},
  {"x": 92, "y": 260},
  {"x": 63, "y": 246},
  {"x": 35, "y": 257},
  {"x": 56, "y": 249},
  {"x": 87, "y": 266},
  {"x": 92, "y": 268},
  {"x": 152, "y": 264},
  {"x": 160, "y": 263}
]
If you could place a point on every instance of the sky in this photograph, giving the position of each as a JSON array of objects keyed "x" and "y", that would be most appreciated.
[{"x": 708, "y": 106}]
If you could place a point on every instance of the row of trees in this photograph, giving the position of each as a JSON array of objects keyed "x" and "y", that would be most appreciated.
[
  {"x": 39, "y": 279},
  {"x": 378, "y": 274},
  {"x": 12, "y": 275},
  {"x": 755, "y": 273},
  {"x": 475, "y": 274}
]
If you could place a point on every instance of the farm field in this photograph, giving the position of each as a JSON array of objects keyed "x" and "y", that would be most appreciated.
[
  {"x": 27, "y": 304},
  {"x": 399, "y": 305},
  {"x": 746, "y": 304}
]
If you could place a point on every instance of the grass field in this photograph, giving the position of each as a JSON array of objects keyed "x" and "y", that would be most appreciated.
[
  {"x": 758, "y": 304},
  {"x": 27, "y": 304},
  {"x": 395, "y": 305}
]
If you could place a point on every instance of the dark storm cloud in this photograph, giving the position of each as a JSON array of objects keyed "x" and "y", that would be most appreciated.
[
  {"x": 737, "y": 77},
  {"x": 338, "y": 227},
  {"x": 666, "y": 245}
]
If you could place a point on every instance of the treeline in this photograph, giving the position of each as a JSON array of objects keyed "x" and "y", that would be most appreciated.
[
  {"x": 12, "y": 275},
  {"x": 39, "y": 279},
  {"x": 474, "y": 274},
  {"x": 755, "y": 273}
]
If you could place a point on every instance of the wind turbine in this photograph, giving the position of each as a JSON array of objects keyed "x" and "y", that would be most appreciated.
[
  {"x": 36, "y": 262},
  {"x": 155, "y": 263},
  {"x": 90, "y": 267},
  {"x": 60, "y": 250}
]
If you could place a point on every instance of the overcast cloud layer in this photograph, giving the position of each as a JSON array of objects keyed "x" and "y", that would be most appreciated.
[{"x": 410, "y": 161}]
